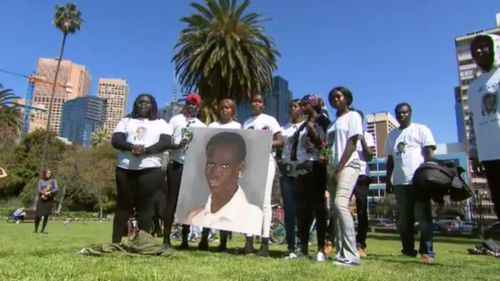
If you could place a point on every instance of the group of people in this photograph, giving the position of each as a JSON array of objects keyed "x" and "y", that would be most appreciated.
[{"x": 300, "y": 151}]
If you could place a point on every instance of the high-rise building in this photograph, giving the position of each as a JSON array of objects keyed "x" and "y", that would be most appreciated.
[
  {"x": 38, "y": 115},
  {"x": 81, "y": 117},
  {"x": 277, "y": 102},
  {"x": 73, "y": 81},
  {"x": 467, "y": 71},
  {"x": 115, "y": 92},
  {"x": 379, "y": 124}
]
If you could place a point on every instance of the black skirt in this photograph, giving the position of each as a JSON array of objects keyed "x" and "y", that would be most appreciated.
[{"x": 43, "y": 207}]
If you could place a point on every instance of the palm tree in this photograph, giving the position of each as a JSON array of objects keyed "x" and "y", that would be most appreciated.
[
  {"x": 68, "y": 20},
  {"x": 10, "y": 115},
  {"x": 224, "y": 53}
]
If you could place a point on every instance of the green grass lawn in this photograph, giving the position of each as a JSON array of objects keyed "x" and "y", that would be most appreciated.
[{"x": 25, "y": 255}]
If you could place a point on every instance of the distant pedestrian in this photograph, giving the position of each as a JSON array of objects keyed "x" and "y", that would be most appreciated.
[{"x": 47, "y": 189}]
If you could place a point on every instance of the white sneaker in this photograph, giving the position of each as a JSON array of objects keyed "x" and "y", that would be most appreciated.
[
  {"x": 291, "y": 256},
  {"x": 320, "y": 257}
]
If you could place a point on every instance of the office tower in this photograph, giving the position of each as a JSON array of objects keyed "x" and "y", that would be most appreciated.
[
  {"x": 115, "y": 92},
  {"x": 379, "y": 124},
  {"x": 276, "y": 102},
  {"x": 38, "y": 115},
  {"x": 81, "y": 117},
  {"x": 73, "y": 81}
]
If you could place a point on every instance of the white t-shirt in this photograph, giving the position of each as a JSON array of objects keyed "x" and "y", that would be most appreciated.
[
  {"x": 141, "y": 132},
  {"x": 405, "y": 146},
  {"x": 262, "y": 122},
  {"x": 484, "y": 106},
  {"x": 231, "y": 125},
  {"x": 178, "y": 123},
  {"x": 370, "y": 142},
  {"x": 345, "y": 127},
  {"x": 287, "y": 132}
]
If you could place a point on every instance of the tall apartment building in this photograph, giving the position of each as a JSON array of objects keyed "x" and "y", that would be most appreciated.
[
  {"x": 379, "y": 124},
  {"x": 277, "y": 102},
  {"x": 467, "y": 71},
  {"x": 81, "y": 117},
  {"x": 38, "y": 115},
  {"x": 115, "y": 92},
  {"x": 73, "y": 81}
]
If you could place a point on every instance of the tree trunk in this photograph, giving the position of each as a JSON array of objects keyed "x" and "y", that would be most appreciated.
[
  {"x": 47, "y": 128},
  {"x": 100, "y": 203},
  {"x": 59, "y": 206}
]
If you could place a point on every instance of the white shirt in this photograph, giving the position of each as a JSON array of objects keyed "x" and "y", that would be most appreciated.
[
  {"x": 484, "y": 106},
  {"x": 231, "y": 125},
  {"x": 405, "y": 146},
  {"x": 141, "y": 132},
  {"x": 345, "y": 127},
  {"x": 178, "y": 123},
  {"x": 370, "y": 142},
  {"x": 262, "y": 122},
  {"x": 237, "y": 215}
]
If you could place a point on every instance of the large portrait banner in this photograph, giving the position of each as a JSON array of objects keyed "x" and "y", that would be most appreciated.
[{"x": 223, "y": 179}]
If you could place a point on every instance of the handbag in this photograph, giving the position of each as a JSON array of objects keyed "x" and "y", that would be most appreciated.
[{"x": 305, "y": 167}]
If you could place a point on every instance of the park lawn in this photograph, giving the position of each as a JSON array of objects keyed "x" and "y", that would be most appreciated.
[{"x": 25, "y": 255}]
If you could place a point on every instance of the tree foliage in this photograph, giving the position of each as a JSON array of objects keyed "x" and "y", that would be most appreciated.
[
  {"x": 224, "y": 53},
  {"x": 10, "y": 116}
]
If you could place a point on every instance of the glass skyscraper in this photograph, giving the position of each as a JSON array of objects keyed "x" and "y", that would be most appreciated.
[
  {"x": 276, "y": 102},
  {"x": 81, "y": 117}
]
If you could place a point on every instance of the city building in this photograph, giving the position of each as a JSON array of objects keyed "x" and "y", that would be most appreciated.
[
  {"x": 38, "y": 115},
  {"x": 81, "y": 117},
  {"x": 115, "y": 92},
  {"x": 73, "y": 81},
  {"x": 277, "y": 102},
  {"x": 379, "y": 124}
]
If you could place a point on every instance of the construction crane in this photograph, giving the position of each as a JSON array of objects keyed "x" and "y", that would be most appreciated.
[{"x": 32, "y": 79}]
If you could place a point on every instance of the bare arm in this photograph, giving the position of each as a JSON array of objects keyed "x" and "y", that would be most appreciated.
[
  {"x": 428, "y": 152},
  {"x": 277, "y": 140}
]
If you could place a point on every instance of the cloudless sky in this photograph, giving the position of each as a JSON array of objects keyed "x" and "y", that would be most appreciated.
[{"x": 385, "y": 51}]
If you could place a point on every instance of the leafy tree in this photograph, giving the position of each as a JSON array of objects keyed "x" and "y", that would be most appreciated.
[
  {"x": 10, "y": 116},
  {"x": 99, "y": 137},
  {"x": 68, "y": 20},
  {"x": 224, "y": 53}
]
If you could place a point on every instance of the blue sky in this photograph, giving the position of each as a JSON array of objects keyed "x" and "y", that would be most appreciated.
[{"x": 385, "y": 51}]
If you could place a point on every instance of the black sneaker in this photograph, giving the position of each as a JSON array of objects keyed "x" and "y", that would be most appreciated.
[
  {"x": 264, "y": 250},
  {"x": 203, "y": 245},
  {"x": 183, "y": 246},
  {"x": 411, "y": 254}
]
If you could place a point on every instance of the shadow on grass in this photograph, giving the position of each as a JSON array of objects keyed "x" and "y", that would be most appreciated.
[{"x": 442, "y": 239}]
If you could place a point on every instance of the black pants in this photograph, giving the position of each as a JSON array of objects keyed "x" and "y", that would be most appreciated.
[
  {"x": 311, "y": 202},
  {"x": 493, "y": 175},
  {"x": 174, "y": 175},
  {"x": 361, "y": 193},
  {"x": 135, "y": 188}
]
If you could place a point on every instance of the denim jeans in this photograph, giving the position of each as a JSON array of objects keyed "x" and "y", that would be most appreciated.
[
  {"x": 289, "y": 194},
  {"x": 408, "y": 207},
  {"x": 344, "y": 225}
]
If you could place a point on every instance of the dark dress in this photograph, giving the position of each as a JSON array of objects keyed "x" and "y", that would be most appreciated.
[{"x": 44, "y": 206}]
